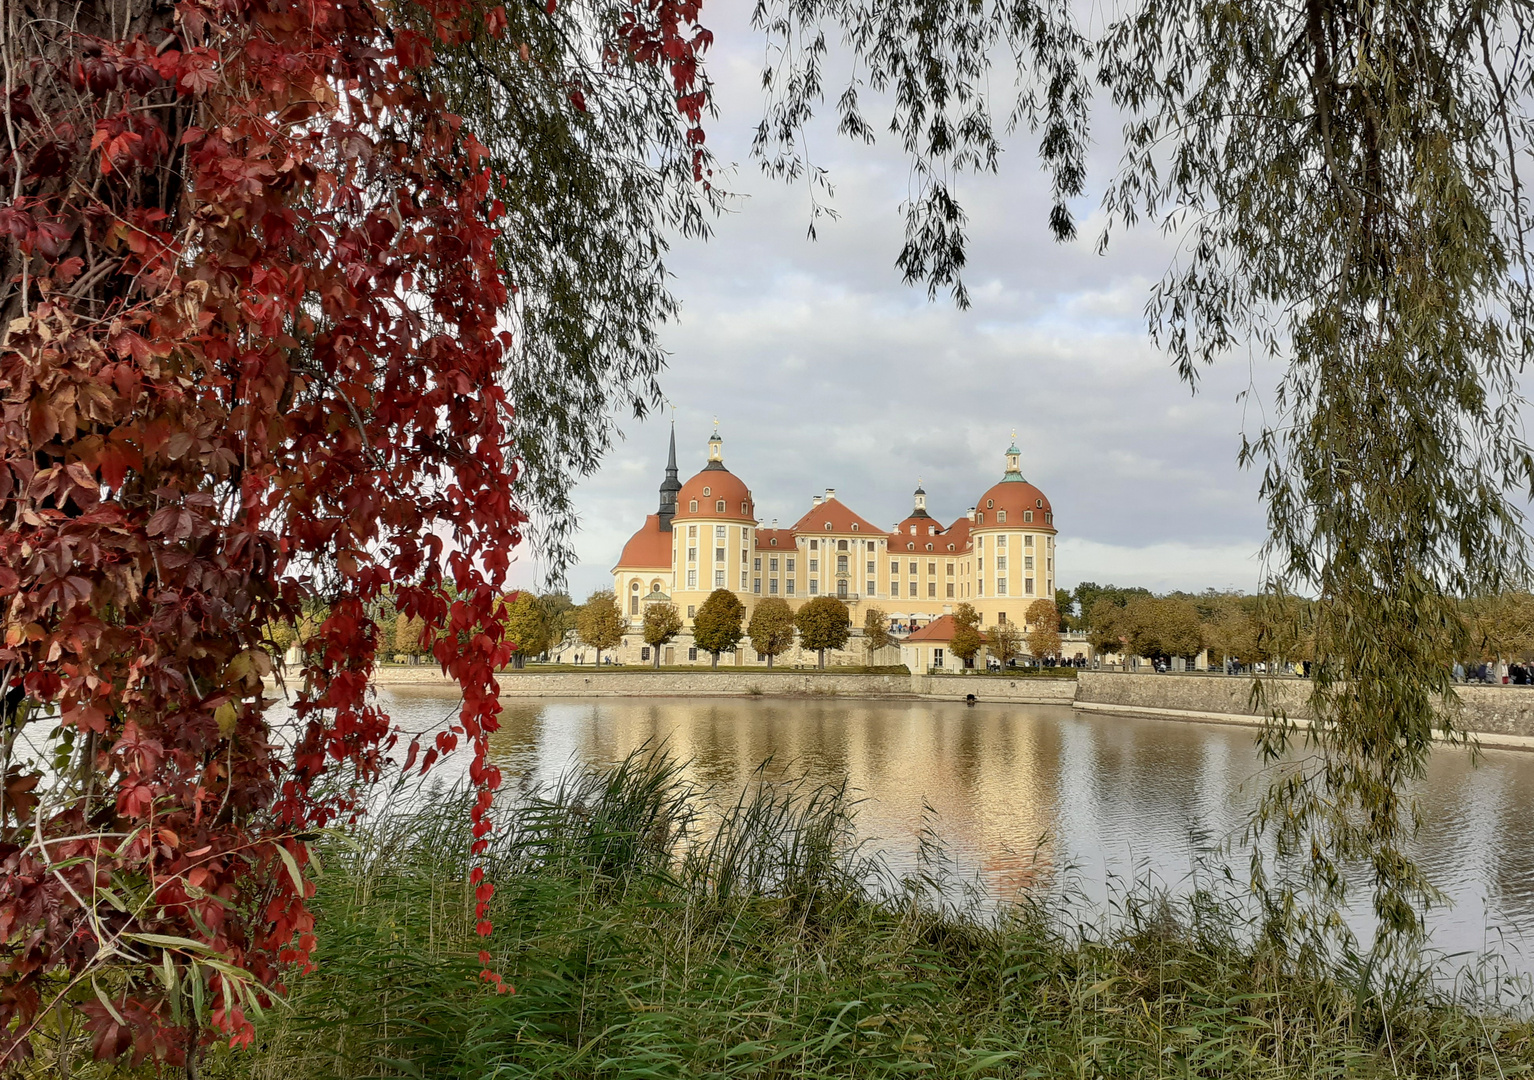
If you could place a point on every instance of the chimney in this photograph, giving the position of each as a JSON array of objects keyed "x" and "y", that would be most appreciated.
[
  {"x": 830, "y": 494},
  {"x": 970, "y": 513},
  {"x": 774, "y": 523},
  {"x": 815, "y": 501}
]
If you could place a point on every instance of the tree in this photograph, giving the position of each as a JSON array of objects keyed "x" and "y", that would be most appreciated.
[
  {"x": 1043, "y": 621},
  {"x": 662, "y": 623},
  {"x": 1162, "y": 627},
  {"x": 967, "y": 639},
  {"x": 824, "y": 623},
  {"x": 876, "y": 631},
  {"x": 1348, "y": 191},
  {"x": 409, "y": 635},
  {"x": 771, "y": 628},
  {"x": 1105, "y": 626},
  {"x": 260, "y": 351},
  {"x": 600, "y": 622},
  {"x": 717, "y": 626},
  {"x": 560, "y": 612},
  {"x": 1004, "y": 642},
  {"x": 527, "y": 626},
  {"x": 1065, "y": 606}
]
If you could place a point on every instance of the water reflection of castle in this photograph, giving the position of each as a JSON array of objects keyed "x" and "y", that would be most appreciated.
[{"x": 999, "y": 556}]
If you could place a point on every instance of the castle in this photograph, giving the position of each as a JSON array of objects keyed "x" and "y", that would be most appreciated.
[{"x": 999, "y": 557}]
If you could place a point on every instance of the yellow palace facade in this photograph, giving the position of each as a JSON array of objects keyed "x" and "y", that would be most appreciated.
[{"x": 999, "y": 556}]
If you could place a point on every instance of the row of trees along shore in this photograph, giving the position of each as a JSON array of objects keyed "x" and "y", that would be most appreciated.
[{"x": 308, "y": 304}]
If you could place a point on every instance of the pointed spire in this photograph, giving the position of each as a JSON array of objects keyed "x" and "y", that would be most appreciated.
[{"x": 671, "y": 485}]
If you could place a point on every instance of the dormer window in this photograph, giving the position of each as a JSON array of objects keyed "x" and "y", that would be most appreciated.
[
  {"x": 929, "y": 547},
  {"x": 988, "y": 503},
  {"x": 980, "y": 518},
  {"x": 854, "y": 526},
  {"x": 719, "y": 506},
  {"x": 1001, "y": 516},
  {"x": 913, "y": 530},
  {"x": 828, "y": 526},
  {"x": 1049, "y": 519},
  {"x": 931, "y": 530},
  {"x": 774, "y": 541},
  {"x": 693, "y": 506},
  {"x": 910, "y": 547},
  {"x": 1027, "y": 515},
  {"x": 706, "y": 493},
  {"x": 743, "y": 510},
  {"x": 1039, "y": 503}
]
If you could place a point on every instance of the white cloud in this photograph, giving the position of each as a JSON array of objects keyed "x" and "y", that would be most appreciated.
[{"x": 826, "y": 371}]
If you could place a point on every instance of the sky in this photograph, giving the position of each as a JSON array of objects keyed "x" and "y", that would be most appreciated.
[{"x": 825, "y": 370}]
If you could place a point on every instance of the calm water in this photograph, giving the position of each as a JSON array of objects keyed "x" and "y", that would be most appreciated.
[{"x": 1017, "y": 788}]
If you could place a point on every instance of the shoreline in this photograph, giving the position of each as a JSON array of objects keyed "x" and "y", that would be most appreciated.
[{"x": 1498, "y": 717}]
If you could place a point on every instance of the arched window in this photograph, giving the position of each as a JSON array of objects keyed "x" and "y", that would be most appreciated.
[
  {"x": 910, "y": 547},
  {"x": 979, "y": 518},
  {"x": 854, "y": 526},
  {"x": 693, "y": 506},
  {"x": 1027, "y": 515},
  {"x": 828, "y": 526},
  {"x": 743, "y": 510},
  {"x": 929, "y": 547},
  {"x": 774, "y": 541},
  {"x": 719, "y": 506}
]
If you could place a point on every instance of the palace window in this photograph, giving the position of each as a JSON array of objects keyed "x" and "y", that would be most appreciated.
[
  {"x": 719, "y": 532},
  {"x": 854, "y": 526},
  {"x": 758, "y": 566},
  {"x": 910, "y": 547},
  {"x": 707, "y": 492},
  {"x": 932, "y": 569},
  {"x": 913, "y": 568},
  {"x": 988, "y": 503},
  {"x": 841, "y": 545},
  {"x": 979, "y": 588},
  {"x": 814, "y": 566},
  {"x": 693, "y": 506},
  {"x": 756, "y": 586},
  {"x": 719, "y": 506},
  {"x": 742, "y": 581},
  {"x": 1001, "y": 618},
  {"x": 980, "y": 518},
  {"x": 634, "y": 605},
  {"x": 1039, "y": 503},
  {"x": 772, "y": 586},
  {"x": 1027, "y": 515},
  {"x": 644, "y": 653},
  {"x": 894, "y": 568},
  {"x": 691, "y": 611},
  {"x": 871, "y": 589},
  {"x": 1001, "y": 564},
  {"x": 788, "y": 586},
  {"x": 718, "y": 579},
  {"x": 1027, "y": 562},
  {"x": 719, "y": 554},
  {"x": 1028, "y": 540},
  {"x": 772, "y": 564},
  {"x": 692, "y": 554},
  {"x": 692, "y": 654},
  {"x": 950, "y": 590},
  {"x": 692, "y": 530},
  {"x": 1049, "y": 519},
  {"x": 913, "y": 530},
  {"x": 1028, "y": 586},
  {"x": 932, "y": 589},
  {"x": 1001, "y": 517},
  {"x": 841, "y": 564},
  {"x": 790, "y": 566},
  {"x": 870, "y": 566},
  {"x": 814, "y": 587},
  {"x": 743, "y": 509},
  {"x": 1049, "y": 564},
  {"x": 814, "y": 545},
  {"x": 1001, "y": 541},
  {"x": 950, "y": 569},
  {"x": 913, "y": 588},
  {"x": 1001, "y": 586},
  {"x": 979, "y": 566},
  {"x": 692, "y": 582},
  {"x": 774, "y": 541}
]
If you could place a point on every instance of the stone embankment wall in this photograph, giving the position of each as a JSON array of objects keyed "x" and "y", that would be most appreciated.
[
  {"x": 751, "y": 682},
  {"x": 1500, "y": 715}
]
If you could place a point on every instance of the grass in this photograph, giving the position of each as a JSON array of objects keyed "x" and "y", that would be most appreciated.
[{"x": 649, "y": 937}]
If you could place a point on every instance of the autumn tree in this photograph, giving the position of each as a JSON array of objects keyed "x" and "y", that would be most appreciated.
[
  {"x": 717, "y": 626},
  {"x": 527, "y": 627},
  {"x": 967, "y": 639},
  {"x": 876, "y": 631},
  {"x": 771, "y": 628},
  {"x": 1004, "y": 642},
  {"x": 1162, "y": 626},
  {"x": 662, "y": 623},
  {"x": 1347, "y": 185},
  {"x": 1106, "y": 630},
  {"x": 600, "y": 622},
  {"x": 1043, "y": 622},
  {"x": 823, "y": 623}
]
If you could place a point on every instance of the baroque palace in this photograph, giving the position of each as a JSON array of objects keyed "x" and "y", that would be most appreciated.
[{"x": 998, "y": 557}]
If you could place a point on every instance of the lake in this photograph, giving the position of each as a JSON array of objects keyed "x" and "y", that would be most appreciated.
[{"x": 1016, "y": 789}]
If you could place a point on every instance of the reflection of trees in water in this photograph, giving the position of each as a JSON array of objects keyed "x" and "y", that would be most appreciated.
[{"x": 1111, "y": 794}]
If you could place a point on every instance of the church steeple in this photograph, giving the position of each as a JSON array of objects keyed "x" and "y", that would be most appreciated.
[{"x": 670, "y": 486}]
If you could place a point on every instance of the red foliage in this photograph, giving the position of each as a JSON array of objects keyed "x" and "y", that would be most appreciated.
[{"x": 253, "y": 356}]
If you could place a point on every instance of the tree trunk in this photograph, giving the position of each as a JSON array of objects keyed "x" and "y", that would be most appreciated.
[
  {"x": 716, "y": 660},
  {"x": 769, "y": 661},
  {"x": 820, "y": 661},
  {"x": 657, "y": 657}
]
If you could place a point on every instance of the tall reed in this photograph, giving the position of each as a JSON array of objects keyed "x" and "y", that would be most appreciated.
[{"x": 650, "y": 936}]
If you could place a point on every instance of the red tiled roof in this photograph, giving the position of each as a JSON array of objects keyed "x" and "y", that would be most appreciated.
[
  {"x": 957, "y": 534},
  {"x": 765, "y": 538},
  {"x": 719, "y": 484},
  {"x": 840, "y": 517},
  {"x": 649, "y": 548},
  {"x": 1015, "y": 497},
  {"x": 939, "y": 629}
]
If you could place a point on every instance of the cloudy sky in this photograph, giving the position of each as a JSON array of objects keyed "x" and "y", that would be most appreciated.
[{"x": 825, "y": 371}]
